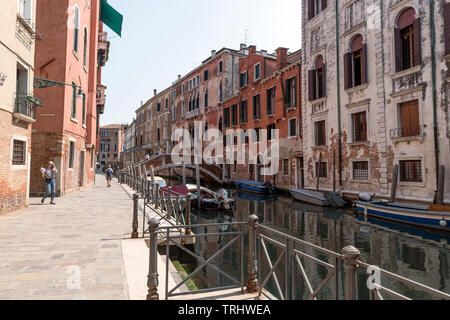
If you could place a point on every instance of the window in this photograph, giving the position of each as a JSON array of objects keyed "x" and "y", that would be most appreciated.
[
  {"x": 206, "y": 99},
  {"x": 411, "y": 171},
  {"x": 158, "y": 107},
  {"x": 257, "y": 107},
  {"x": 183, "y": 88},
  {"x": 220, "y": 66},
  {"x": 271, "y": 101},
  {"x": 84, "y": 110},
  {"x": 292, "y": 127},
  {"x": 234, "y": 116},
  {"x": 159, "y": 134},
  {"x": 243, "y": 112},
  {"x": 361, "y": 170},
  {"x": 359, "y": 123},
  {"x": 206, "y": 75},
  {"x": 257, "y": 71},
  {"x": 315, "y": 7},
  {"x": 71, "y": 154},
  {"x": 85, "y": 46},
  {"x": 409, "y": 118},
  {"x": 447, "y": 27},
  {"x": 355, "y": 64},
  {"x": 321, "y": 169},
  {"x": 408, "y": 44},
  {"x": 243, "y": 79},
  {"x": 317, "y": 80},
  {"x": 73, "y": 113},
  {"x": 226, "y": 117},
  {"x": 24, "y": 9},
  {"x": 198, "y": 80},
  {"x": 291, "y": 93},
  {"x": 76, "y": 25},
  {"x": 19, "y": 153},
  {"x": 167, "y": 104},
  {"x": 92, "y": 158},
  {"x": 286, "y": 167},
  {"x": 320, "y": 134},
  {"x": 220, "y": 93},
  {"x": 270, "y": 133},
  {"x": 255, "y": 136}
]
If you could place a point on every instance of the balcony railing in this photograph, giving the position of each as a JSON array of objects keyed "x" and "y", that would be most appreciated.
[
  {"x": 102, "y": 48},
  {"x": 408, "y": 132},
  {"x": 25, "y": 106},
  {"x": 101, "y": 97},
  {"x": 193, "y": 114},
  {"x": 319, "y": 107}
]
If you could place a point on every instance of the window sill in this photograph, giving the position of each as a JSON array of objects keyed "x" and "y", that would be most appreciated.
[
  {"x": 412, "y": 184},
  {"x": 420, "y": 139},
  {"x": 318, "y": 100},
  {"x": 320, "y": 148},
  {"x": 360, "y": 181},
  {"x": 406, "y": 72},
  {"x": 361, "y": 87},
  {"x": 271, "y": 115},
  {"x": 19, "y": 167},
  {"x": 73, "y": 120},
  {"x": 257, "y": 120},
  {"x": 359, "y": 144},
  {"x": 84, "y": 126}
]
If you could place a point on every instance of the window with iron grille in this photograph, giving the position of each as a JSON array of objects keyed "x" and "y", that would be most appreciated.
[
  {"x": 72, "y": 154},
  {"x": 19, "y": 151},
  {"x": 359, "y": 122},
  {"x": 321, "y": 169},
  {"x": 407, "y": 35},
  {"x": 411, "y": 171},
  {"x": 361, "y": 170}
]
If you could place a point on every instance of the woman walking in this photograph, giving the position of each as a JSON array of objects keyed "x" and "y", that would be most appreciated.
[{"x": 49, "y": 175}]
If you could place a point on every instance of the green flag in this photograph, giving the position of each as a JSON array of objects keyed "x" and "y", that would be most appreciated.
[{"x": 111, "y": 17}]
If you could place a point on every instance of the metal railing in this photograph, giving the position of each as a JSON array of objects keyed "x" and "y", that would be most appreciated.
[
  {"x": 26, "y": 104},
  {"x": 417, "y": 131}
]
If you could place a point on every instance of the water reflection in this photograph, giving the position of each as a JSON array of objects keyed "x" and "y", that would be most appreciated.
[{"x": 420, "y": 255}]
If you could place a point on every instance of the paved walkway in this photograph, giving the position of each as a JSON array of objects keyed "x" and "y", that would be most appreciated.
[{"x": 68, "y": 251}]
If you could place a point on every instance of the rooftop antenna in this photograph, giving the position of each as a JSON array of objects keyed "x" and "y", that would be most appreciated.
[{"x": 248, "y": 38}]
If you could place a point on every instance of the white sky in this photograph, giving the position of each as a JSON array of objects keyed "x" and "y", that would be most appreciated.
[{"x": 164, "y": 38}]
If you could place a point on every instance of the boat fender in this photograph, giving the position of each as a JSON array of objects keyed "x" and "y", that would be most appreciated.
[{"x": 443, "y": 223}]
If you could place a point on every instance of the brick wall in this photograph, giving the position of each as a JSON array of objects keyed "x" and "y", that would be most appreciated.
[{"x": 13, "y": 179}]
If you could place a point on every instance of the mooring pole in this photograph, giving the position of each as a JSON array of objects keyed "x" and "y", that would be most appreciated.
[
  {"x": 134, "y": 234},
  {"x": 394, "y": 183}
]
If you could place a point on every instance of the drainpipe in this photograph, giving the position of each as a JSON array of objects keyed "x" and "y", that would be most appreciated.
[
  {"x": 338, "y": 77},
  {"x": 433, "y": 73}
]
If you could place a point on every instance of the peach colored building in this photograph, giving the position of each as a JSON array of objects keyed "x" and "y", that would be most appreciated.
[
  {"x": 73, "y": 51},
  {"x": 111, "y": 143}
]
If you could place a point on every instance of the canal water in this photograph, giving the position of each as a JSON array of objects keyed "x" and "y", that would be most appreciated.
[{"x": 417, "y": 254}]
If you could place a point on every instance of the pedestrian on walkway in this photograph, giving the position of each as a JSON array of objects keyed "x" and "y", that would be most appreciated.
[
  {"x": 109, "y": 175},
  {"x": 49, "y": 175}
]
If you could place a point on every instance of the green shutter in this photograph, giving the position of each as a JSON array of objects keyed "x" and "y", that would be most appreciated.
[{"x": 111, "y": 17}]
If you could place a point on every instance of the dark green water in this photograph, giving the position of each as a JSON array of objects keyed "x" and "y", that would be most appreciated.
[{"x": 417, "y": 254}]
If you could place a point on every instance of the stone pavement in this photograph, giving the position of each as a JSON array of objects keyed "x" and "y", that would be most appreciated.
[{"x": 69, "y": 251}]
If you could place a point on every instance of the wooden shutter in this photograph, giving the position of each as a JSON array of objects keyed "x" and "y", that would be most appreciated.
[
  {"x": 312, "y": 84},
  {"x": 310, "y": 9},
  {"x": 417, "y": 43},
  {"x": 409, "y": 114},
  {"x": 324, "y": 4},
  {"x": 398, "y": 50},
  {"x": 324, "y": 80},
  {"x": 365, "y": 78},
  {"x": 294, "y": 92},
  {"x": 447, "y": 27},
  {"x": 348, "y": 70}
]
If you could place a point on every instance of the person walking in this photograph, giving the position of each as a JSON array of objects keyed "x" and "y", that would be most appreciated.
[
  {"x": 109, "y": 175},
  {"x": 49, "y": 175}
]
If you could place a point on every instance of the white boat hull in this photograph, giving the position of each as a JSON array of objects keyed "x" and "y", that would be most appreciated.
[{"x": 311, "y": 197}]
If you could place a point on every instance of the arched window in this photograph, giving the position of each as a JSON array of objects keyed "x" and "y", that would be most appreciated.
[
  {"x": 317, "y": 80},
  {"x": 76, "y": 28},
  {"x": 85, "y": 47},
  {"x": 220, "y": 92},
  {"x": 206, "y": 99},
  {"x": 408, "y": 46},
  {"x": 355, "y": 63}
]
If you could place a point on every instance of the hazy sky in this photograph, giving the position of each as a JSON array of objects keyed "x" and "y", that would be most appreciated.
[{"x": 164, "y": 38}]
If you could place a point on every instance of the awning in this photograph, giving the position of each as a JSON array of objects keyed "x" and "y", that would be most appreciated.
[{"x": 111, "y": 17}]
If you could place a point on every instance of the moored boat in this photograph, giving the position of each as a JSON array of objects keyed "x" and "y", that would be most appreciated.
[
  {"x": 329, "y": 199},
  {"x": 255, "y": 187},
  {"x": 210, "y": 200},
  {"x": 418, "y": 215}
]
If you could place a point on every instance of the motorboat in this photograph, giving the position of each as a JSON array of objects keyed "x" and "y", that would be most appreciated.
[
  {"x": 255, "y": 187},
  {"x": 210, "y": 200},
  {"x": 321, "y": 199}
]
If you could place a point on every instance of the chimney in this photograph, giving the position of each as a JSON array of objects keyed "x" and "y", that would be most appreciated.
[
  {"x": 179, "y": 76},
  {"x": 243, "y": 46},
  {"x": 281, "y": 58},
  {"x": 155, "y": 92},
  {"x": 213, "y": 53},
  {"x": 251, "y": 50},
  {"x": 264, "y": 53}
]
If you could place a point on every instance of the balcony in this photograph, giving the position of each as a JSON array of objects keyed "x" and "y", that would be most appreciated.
[
  {"x": 101, "y": 97},
  {"x": 103, "y": 48},
  {"x": 290, "y": 106},
  {"x": 408, "y": 134},
  {"x": 25, "y": 107},
  {"x": 192, "y": 114},
  {"x": 319, "y": 107}
]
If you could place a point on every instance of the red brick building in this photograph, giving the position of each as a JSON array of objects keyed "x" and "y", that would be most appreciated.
[
  {"x": 268, "y": 98},
  {"x": 73, "y": 52},
  {"x": 111, "y": 142}
]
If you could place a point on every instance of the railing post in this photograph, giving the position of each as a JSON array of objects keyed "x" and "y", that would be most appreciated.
[
  {"x": 152, "y": 278},
  {"x": 351, "y": 255},
  {"x": 169, "y": 205},
  {"x": 252, "y": 281},
  {"x": 187, "y": 217},
  {"x": 134, "y": 234}
]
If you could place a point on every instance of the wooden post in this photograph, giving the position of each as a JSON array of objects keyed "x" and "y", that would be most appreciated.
[
  {"x": 152, "y": 174},
  {"x": 318, "y": 172},
  {"x": 394, "y": 182},
  {"x": 334, "y": 170},
  {"x": 187, "y": 217},
  {"x": 197, "y": 174},
  {"x": 184, "y": 175},
  {"x": 441, "y": 186}
]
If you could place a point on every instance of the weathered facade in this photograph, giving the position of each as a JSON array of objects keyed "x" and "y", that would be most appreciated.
[
  {"x": 111, "y": 144},
  {"x": 17, "y": 102},
  {"x": 130, "y": 142},
  {"x": 371, "y": 100}
]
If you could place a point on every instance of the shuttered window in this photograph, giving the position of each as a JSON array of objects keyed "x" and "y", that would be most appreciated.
[
  {"x": 234, "y": 115},
  {"x": 315, "y": 7},
  {"x": 291, "y": 93},
  {"x": 72, "y": 153},
  {"x": 321, "y": 169},
  {"x": 411, "y": 171},
  {"x": 409, "y": 117},
  {"x": 270, "y": 133},
  {"x": 408, "y": 45},
  {"x": 359, "y": 121},
  {"x": 320, "y": 134},
  {"x": 257, "y": 107},
  {"x": 243, "y": 112},
  {"x": 355, "y": 64},
  {"x": 226, "y": 118},
  {"x": 317, "y": 80},
  {"x": 271, "y": 101}
]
